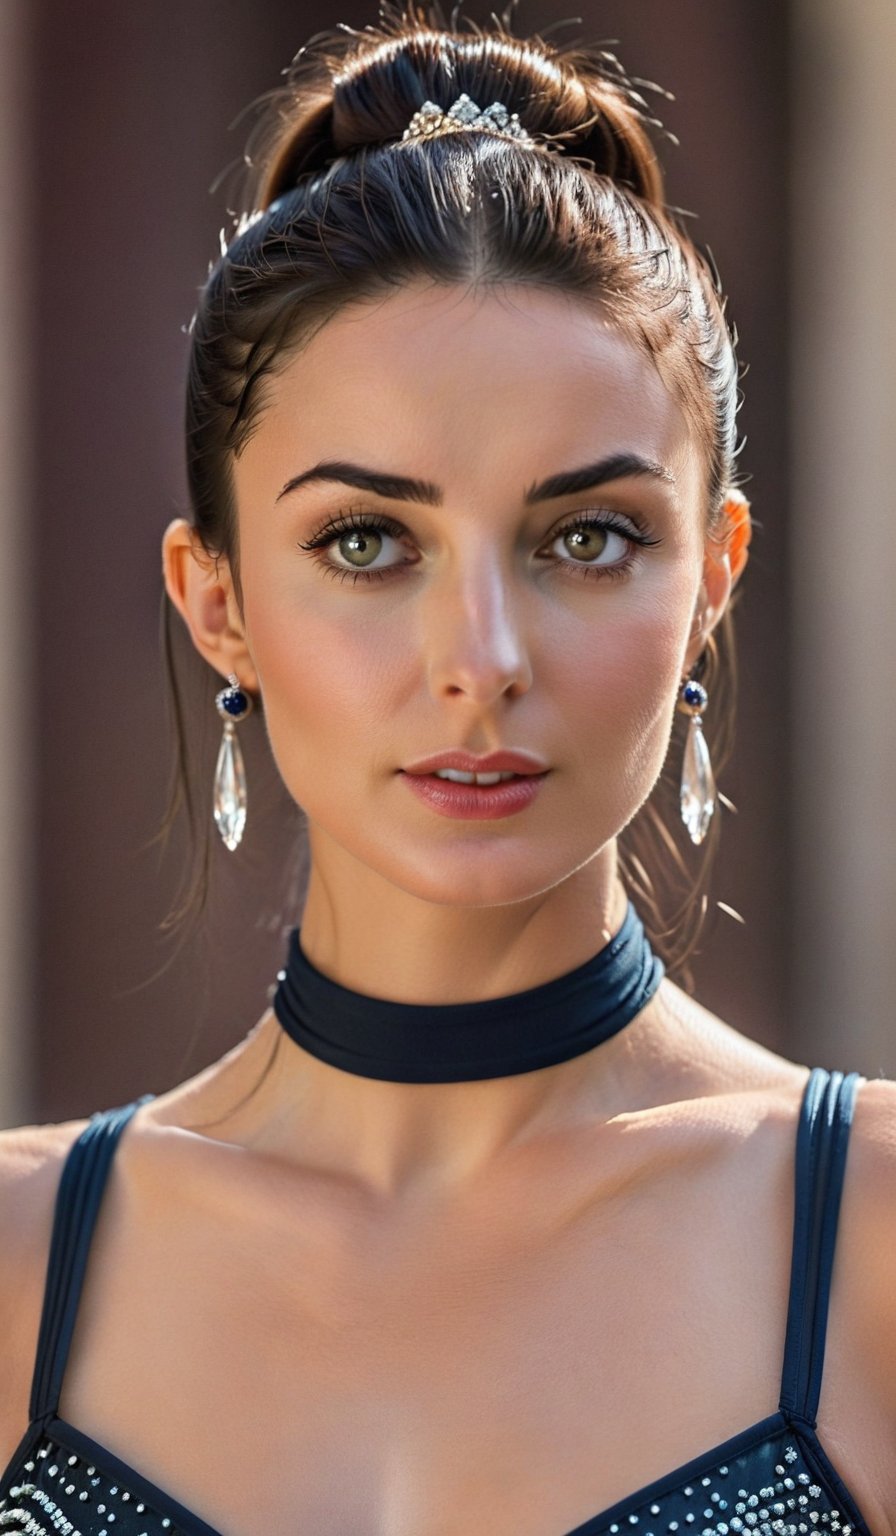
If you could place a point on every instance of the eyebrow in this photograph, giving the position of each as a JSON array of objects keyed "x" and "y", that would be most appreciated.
[{"x": 571, "y": 482}]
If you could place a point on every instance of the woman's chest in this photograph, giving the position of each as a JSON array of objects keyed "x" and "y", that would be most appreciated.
[{"x": 472, "y": 1371}]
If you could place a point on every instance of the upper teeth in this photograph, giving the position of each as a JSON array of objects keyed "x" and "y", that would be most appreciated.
[{"x": 472, "y": 778}]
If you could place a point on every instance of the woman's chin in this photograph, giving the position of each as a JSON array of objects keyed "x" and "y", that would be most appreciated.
[{"x": 481, "y": 873}]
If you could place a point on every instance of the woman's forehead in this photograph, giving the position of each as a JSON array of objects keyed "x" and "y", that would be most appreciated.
[{"x": 449, "y": 376}]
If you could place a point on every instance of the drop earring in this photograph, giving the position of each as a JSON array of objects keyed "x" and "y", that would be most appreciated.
[
  {"x": 698, "y": 790},
  {"x": 229, "y": 799}
]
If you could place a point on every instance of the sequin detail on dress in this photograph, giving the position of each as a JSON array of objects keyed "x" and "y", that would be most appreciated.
[
  {"x": 722, "y": 1502},
  {"x": 774, "y": 1478},
  {"x": 62, "y": 1492}
]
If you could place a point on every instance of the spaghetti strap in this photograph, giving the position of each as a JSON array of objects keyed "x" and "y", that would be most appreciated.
[
  {"x": 78, "y": 1199},
  {"x": 822, "y": 1139}
]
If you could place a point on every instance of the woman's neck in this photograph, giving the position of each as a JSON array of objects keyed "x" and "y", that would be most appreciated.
[
  {"x": 410, "y": 1138},
  {"x": 376, "y": 938}
]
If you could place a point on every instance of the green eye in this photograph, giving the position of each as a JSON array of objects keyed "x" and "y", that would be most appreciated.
[
  {"x": 588, "y": 538},
  {"x": 361, "y": 546},
  {"x": 586, "y": 543}
]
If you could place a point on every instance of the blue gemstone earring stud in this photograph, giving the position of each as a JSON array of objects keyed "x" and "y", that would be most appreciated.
[
  {"x": 229, "y": 797},
  {"x": 698, "y": 790}
]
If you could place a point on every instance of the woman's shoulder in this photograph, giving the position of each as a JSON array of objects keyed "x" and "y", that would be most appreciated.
[
  {"x": 870, "y": 1186},
  {"x": 716, "y": 1058},
  {"x": 730, "y": 1079},
  {"x": 873, "y": 1138},
  {"x": 758, "y": 1087},
  {"x": 868, "y": 1232},
  {"x": 31, "y": 1161},
  {"x": 739, "y": 1095}
]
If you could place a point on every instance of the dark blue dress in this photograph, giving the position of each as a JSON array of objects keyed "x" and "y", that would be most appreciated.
[{"x": 774, "y": 1478}]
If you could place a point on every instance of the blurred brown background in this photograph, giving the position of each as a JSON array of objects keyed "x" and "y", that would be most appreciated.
[{"x": 115, "y": 123}]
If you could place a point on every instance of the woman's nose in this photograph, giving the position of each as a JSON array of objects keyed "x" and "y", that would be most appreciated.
[{"x": 475, "y": 634}]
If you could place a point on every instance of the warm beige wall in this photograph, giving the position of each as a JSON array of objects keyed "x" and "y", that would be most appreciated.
[
  {"x": 15, "y": 913},
  {"x": 845, "y": 529}
]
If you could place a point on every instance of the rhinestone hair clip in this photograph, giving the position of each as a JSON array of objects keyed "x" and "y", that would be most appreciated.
[{"x": 430, "y": 121}]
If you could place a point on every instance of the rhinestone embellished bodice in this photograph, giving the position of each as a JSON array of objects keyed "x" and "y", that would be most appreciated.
[{"x": 774, "y": 1478}]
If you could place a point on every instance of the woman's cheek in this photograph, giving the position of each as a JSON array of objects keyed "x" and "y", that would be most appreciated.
[
  {"x": 327, "y": 681},
  {"x": 641, "y": 670}
]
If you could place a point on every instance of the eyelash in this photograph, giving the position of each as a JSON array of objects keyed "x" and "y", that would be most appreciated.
[{"x": 346, "y": 522}]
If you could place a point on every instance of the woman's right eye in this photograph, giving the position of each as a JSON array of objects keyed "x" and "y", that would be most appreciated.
[
  {"x": 361, "y": 546},
  {"x": 357, "y": 541}
]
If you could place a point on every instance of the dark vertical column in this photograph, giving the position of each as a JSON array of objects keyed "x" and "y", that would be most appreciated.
[{"x": 17, "y": 747}]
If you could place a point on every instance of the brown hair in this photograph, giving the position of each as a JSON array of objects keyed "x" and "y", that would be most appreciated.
[{"x": 341, "y": 208}]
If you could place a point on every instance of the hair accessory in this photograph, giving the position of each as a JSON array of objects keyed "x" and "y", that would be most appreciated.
[
  {"x": 430, "y": 121},
  {"x": 460, "y": 1042},
  {"x": 229, "y": 801},
  {"x": 698, "y": 789}
]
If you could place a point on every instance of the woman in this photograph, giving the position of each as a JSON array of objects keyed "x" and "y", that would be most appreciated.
[{"x": 486, "y": 1225}]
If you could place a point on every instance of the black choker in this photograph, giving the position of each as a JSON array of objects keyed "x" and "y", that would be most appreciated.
[{"x": 460, "y": 1042}]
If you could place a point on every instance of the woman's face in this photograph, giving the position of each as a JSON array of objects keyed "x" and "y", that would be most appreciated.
[{"x": 487, "y": 605}]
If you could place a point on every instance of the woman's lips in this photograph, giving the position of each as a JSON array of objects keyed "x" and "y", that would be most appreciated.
[
  {"x": 501, "y": 760},
  {"x": 475, "y": 802}
]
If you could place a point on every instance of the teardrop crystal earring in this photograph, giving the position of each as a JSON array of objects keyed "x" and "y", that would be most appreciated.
[
  {"x": 229, "y": 800},
  {"x": 698, "y": 789}
]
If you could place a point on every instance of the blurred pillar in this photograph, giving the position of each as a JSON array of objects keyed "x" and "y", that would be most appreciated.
[
  {"x": 844, "y": 552},
  {"x": 15, "y": 594}
]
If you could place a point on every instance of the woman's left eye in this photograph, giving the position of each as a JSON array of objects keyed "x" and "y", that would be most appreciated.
[{"x": 598, "y": 544}]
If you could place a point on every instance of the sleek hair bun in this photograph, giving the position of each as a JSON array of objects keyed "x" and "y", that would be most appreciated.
[{"x": 350, "y": 91}]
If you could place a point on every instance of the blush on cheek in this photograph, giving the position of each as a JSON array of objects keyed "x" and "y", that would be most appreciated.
[
  {"x": 630, "y": 686},
  {"x": 329, "y": 691}
]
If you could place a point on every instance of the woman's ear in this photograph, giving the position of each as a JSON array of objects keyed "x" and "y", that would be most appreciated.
[
  {"x": 735, "y": 532},
  {"x": 724, "y": 560},
  {"x": 200, "y": 586}
]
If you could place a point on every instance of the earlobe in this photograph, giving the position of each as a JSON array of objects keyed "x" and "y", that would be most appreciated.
[{"x": 201, "y": 588}]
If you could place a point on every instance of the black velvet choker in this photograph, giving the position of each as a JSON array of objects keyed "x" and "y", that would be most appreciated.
[{"x": 460, "y": 1042}]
